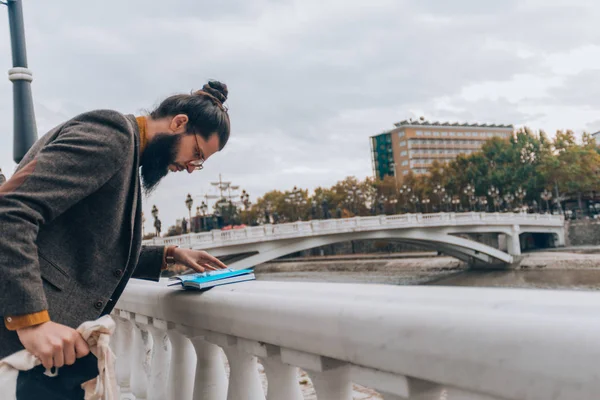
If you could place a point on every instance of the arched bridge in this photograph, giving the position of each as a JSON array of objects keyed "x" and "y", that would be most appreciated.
[{"x": 436, "y": 231}]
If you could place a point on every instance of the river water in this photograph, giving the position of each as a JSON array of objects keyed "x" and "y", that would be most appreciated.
[{"x": 545, "y": 271}]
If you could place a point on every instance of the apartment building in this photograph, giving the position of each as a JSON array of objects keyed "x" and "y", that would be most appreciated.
[{"x": 415, "y": 145}]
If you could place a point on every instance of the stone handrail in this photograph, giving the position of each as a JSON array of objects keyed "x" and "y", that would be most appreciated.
[
  {"x": 404, "y": 342},
  {"x": 320, "y": 227}
]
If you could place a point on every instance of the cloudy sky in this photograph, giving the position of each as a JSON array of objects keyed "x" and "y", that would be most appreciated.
[{"x": 310, "y": 80}]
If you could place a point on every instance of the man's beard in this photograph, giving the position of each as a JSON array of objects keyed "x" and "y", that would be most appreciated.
[{"x": 159, "y": 153}]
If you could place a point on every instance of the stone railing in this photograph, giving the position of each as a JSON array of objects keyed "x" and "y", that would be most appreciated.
[
  {"x": 404, "y": 342},
  {"x": 329, "y": 226}
]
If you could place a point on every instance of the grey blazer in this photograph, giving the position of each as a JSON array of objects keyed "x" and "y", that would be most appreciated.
[{"x": 70, "y": 224}]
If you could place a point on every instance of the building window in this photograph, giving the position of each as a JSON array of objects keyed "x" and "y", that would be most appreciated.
[
  {"x": 459, "y": 134},
  {"x": 427, "y": 133},
  {"x": 404, "y": 172},
  {"x": 436, "y": 134},
  {"x": 404, "y": 163},
  {"x": 444, "y": 133},
  {"x": 403, "y": 153},
  {"x": 403, "y": 143},
  {"x": 452, "y": 133},
  {"x": 419, "y": 133},
  {"x": 401, "y": 134}
]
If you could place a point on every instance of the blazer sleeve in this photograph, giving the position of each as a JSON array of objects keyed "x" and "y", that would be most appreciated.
[
  {"x": 151, "y": 263},
  {"x": 87, "y": 152}
]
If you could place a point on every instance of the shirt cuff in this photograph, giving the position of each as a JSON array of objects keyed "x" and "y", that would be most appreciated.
[{"x": 24, "y": 321}]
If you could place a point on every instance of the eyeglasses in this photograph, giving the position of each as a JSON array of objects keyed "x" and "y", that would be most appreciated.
[{"x": 199, "y": 161}]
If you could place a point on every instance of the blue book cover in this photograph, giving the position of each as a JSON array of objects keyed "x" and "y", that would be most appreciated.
[{"x": 202, "y": 278}]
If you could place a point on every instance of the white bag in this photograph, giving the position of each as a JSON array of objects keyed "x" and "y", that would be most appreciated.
[{"x": 97, "y": 335}]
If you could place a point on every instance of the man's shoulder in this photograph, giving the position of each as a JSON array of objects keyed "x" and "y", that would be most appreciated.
[{"x": 110, "y": 118}]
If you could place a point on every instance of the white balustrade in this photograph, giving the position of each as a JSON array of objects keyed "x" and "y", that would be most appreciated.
[
  {"x": 417, "y": 343},
  {"x": 307, "y": 229}
]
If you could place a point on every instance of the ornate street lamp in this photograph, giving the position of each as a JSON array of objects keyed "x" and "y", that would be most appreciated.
[
  {"x": 394, "y": 202},
  {"x": 483, "y": 202},
  {"x": 2, "y": 178},
  {"x": 546, "y": 196},
  {"x": 521, "y": 193},
  {"x": 440, "y": 192},
  {"x": 469, "y": 191},
  {"x": 426, "y": 201},
  {"x": 494, "y": 193},
  {"x": 414, "y": 200},
  {"x": 447, "y": 200},
  {"x": 189, "y": 202},
  {"x": 405, "y": 192},
  {"x": 509, "y": 198},
  {"x": 245, "y": 198},
  {"x": 455, "y": 203}
]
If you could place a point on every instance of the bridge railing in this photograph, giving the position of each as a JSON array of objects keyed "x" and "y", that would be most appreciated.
[
  {"x": 404, "y": 342},
  {"x": 306, "y": 228}
]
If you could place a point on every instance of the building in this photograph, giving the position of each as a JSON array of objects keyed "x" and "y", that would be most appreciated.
[
  {"x": 415, "y": 145},
  {"x": 596, "y": 137}
]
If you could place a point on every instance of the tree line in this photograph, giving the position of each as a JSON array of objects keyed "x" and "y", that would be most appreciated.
[{"x": 527, "y": 172}]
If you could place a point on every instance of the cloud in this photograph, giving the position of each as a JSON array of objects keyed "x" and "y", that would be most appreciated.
[{"x": 309, "y": 80}]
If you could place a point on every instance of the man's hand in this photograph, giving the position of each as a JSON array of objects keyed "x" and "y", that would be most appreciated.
[
  {"x": 54, "y": 344},
  {"x": 197, "y": 260}
]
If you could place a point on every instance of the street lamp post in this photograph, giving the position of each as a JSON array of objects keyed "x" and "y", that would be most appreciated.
[
  {"x": 494, "y": 193},
  {"x": 521, "y": 193},
  {"x": 439, "y": 191},
  {"x": 414, "y": 200},
  {"x": 404, "y": 192},
  {"x": 546, "y": 196},
  {"x": 25, "y": 130},
  {"x": 189, "y": 202},
  {"x": 509, "y": 198},
  {"x": 426, "y": 201},
  {"x": 456, "y": 203},
  {"x": 2, "y": 178},
  {"x": 447, "y": 200},
  {"x": 470, "y": 193}
]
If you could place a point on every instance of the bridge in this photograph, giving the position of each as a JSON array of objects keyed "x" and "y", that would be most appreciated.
[{"x": 444, "y": 232}]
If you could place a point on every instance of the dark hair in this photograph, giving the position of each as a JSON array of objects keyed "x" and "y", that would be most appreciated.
[{"x": 204, "y": 109}]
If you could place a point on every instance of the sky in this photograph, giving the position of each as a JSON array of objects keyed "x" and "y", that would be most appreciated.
[{"x": 309, "y": 80}]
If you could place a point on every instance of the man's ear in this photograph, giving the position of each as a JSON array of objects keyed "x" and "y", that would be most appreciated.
[{"x": 179, "y": 123}]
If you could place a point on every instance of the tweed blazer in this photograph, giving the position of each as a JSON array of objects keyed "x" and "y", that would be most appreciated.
[{"x": 71, "y": 223}]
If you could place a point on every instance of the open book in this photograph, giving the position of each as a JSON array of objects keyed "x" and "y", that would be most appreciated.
[{"x": 206, "y": 280}]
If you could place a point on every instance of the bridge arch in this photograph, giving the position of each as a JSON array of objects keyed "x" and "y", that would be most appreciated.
[{"x": 463, "y": 249}]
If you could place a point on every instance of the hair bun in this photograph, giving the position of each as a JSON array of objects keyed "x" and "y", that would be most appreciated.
[{"x": 216, "y": 89}]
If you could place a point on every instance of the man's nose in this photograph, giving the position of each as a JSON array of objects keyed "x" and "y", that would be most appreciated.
[{"x": 190, "y": 168}]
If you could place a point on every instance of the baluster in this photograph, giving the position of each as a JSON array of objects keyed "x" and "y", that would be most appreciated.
[
  {"x": 332, "y": 384},
  {"x": 244, "y": 381},
  {"x": 161, "y": 354},
  {"x": 283, "y": 380},
  {"x": 183, "y": 363},
  {"x": 211, "y": 379},
  {"x": 331, "y": 378},
  {"x": 122, "y": 348},
  {"x": 390, "y": 386},
  {"x": 140, "y": 367}
]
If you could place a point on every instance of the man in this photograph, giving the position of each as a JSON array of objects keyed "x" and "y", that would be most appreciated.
[{"x": 70, "y": 227}]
